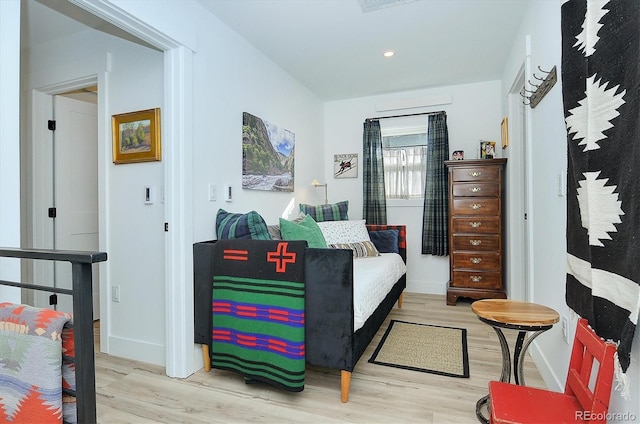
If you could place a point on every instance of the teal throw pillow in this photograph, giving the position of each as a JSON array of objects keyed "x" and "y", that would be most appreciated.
[
  {"x": 331, "y": 212},
  {"x": 307, "y": 230},
  {"x": 241, "y": 226}
]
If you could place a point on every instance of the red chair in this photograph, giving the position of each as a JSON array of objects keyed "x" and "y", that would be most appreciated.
[{"x": 510, "y": 403}]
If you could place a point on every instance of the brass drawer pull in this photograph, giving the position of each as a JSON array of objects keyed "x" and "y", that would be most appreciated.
[
  {"x": 475, "y": 260},
  {"x": 475, "y": 173},
  {"x": 475, "y": 224},
  {"x": 475, "y": 242},
  {"x": 475, "y": 278},
  {"x": 476, "y": 206},
  {"x": 475, "y": 189}
]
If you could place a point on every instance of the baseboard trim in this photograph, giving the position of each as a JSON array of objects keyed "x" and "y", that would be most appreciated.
[
  {"x": 136, "y": 350},
  {"x": 426, "y": 287},
  {"x": 546, "y": 372}
]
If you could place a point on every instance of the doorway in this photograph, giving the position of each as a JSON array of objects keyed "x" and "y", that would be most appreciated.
[
  {"x": 67, "y": 186},
  {"x": 178, "y": 350},
  {"x": 518, "y": 189}
]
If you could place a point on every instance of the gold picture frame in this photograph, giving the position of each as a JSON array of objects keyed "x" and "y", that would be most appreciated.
[
  {"x": 504, "y": 127},
  {"x": 136, "y": 136}
]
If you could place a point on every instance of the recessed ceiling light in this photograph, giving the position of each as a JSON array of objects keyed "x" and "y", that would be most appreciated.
[{"x": 389, "y": 53}]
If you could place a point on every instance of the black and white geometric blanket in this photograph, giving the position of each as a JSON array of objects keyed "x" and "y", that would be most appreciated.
[{"x": 601, "y": 96}]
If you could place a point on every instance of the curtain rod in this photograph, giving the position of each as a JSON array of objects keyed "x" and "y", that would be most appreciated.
[{"x": 402, "y": 116}]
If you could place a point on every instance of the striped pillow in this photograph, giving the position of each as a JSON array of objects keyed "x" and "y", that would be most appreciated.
[
  {"x": 241, "y": 226},
  {"x": 360, "y": 249},
  {"x": 331, "y": 212}
]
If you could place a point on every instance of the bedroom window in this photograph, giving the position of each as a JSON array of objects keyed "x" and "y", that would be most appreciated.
[{"x": 404, "y": 153}]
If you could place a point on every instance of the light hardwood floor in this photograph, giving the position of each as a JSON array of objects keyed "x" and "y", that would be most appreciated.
[{"x": 135, "y": 392}]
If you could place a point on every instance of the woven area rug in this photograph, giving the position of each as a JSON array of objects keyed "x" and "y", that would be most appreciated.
[{"x": 426, "y": 348}]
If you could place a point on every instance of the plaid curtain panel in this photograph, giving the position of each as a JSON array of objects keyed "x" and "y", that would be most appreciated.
[
  {"x": 374, "y": 200},
  {"x": 435, "y": 240}
]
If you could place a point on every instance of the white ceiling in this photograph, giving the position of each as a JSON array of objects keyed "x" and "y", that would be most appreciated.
[{"x": 334, "y": 48}]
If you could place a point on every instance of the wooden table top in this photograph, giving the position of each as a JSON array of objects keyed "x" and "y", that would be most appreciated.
[{"x": 514, "y": 312}]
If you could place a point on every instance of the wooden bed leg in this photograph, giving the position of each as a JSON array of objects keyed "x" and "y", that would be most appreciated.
[
  {"x": 206, "y": 357},
  {"x": 345, "y": 382},
  {"x": 400, "y": 298}
]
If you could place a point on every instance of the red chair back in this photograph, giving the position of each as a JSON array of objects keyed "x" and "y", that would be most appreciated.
[{"x": 587, "y": 347}]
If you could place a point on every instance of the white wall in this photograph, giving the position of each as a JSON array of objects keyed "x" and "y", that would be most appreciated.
[
  {"x": 473, "y": 115},
  {"x": 548, "y": 210},
  {"x": 233, "y": 77},
  {"x": 230, "y": 77},
  {"x": 9, "y": 144}
]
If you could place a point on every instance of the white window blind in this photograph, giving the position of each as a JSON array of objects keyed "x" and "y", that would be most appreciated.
[{"x": 405, "y": 162}]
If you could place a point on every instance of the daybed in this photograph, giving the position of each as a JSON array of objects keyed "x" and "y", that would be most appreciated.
[{"x": 330, "y": 336}]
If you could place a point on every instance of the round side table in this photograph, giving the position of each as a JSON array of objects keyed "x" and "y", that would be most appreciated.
[{"x": 513, "y": 315}]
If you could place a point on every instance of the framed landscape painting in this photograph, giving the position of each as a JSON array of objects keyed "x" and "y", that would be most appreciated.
[
  {"x": 136, "y": 136},
  {"x": 267, "y": 155}
]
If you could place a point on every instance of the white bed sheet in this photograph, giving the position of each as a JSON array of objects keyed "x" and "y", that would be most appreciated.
[{"x": 373, "y": 278}]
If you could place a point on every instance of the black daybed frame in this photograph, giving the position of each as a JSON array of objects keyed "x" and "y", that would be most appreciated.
[{"x": 329, "y": 336}]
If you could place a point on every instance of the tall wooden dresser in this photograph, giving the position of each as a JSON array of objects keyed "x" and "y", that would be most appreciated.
[{"x": 476, "y": 231}]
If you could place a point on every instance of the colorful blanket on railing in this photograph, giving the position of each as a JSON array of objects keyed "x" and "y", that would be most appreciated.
[
  {"x": 258, "y": 311},
  {"x": 33, "y": 342}
]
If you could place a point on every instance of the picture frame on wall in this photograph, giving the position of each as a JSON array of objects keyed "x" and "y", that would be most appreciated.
[
  {"x": 268, "y": 153},
  {"x": 487, "y": 149},
  {"x": 504, "y": 130},
  {"x": 136, "y": 136},
  {"x": 345, "y": 165}
]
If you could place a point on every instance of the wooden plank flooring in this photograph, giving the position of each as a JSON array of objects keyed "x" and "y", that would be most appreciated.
[{"x": 135, "y": 392}]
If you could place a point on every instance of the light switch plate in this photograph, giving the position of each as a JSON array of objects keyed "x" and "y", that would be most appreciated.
[{"x": 213, "y": 189}]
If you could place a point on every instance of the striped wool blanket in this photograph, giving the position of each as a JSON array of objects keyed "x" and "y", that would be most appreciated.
[
  {"x": 258, "y": 311},
  {"x": 36, "y": 350},
  {"x": 600, "y": 86}
]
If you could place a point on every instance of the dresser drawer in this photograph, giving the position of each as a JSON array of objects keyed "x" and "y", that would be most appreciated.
[
  {"x": 477, "y": 242},
  {"x": 476, "y": 206},
  {"x": 482, "y": 261},
  {"x": 473, "y": 173},
  {"x": 477, "y": 279},
  {"x": 476, "y": 225},
  {"x": 486, "y": 189}
]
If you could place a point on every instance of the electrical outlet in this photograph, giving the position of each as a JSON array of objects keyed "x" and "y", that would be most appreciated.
[
  {"x": 115, "y": 293},
  {"x": 565, "y": 329}
]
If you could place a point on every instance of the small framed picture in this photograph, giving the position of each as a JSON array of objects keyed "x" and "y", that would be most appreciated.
[
  {"x": 504, "y": 127},
  {"x": 487, "y": 149},
  {"x": 345, "y": 165},
  {"x": 136, "y": 136},
  {"x": 458, "y": 155}
]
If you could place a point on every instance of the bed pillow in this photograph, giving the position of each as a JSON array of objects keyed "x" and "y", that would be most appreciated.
[
  {"x": 241, "y": 226},
  {"x": 274, "y": 229},
  {"x": 361, "y": 249},
  {"x": 386, "y": 241},
  {"x": 307, "y": 230},
  {"x": 332, "y": 212},
  {"x": 349, "y": 235},
  {"x": 344, "y": 231}
]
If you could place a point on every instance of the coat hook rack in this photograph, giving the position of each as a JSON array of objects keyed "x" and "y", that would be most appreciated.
[{"x": 532, "y": 98}]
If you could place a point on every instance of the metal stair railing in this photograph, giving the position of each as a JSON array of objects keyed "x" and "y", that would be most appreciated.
[{"x": 81, "y": 291}]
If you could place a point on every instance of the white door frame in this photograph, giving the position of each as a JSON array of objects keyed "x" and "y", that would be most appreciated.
[
  {"x": 520, "y": 285},
  {"x": 181, "y": 352},
  {"x": 41, "y": 170}
]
